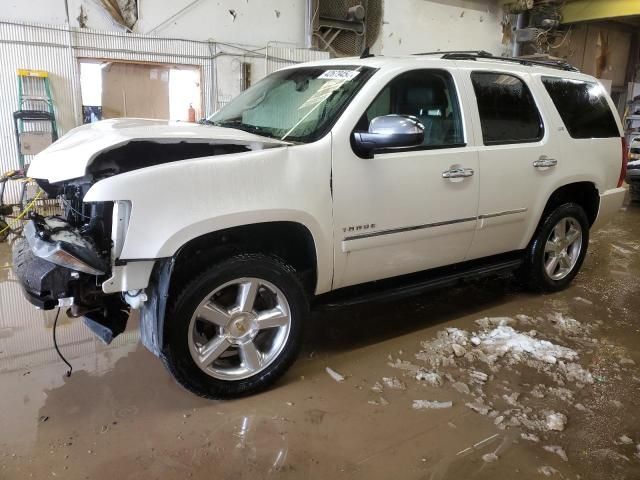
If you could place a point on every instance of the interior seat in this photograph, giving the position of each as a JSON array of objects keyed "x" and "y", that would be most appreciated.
[{"x": 429, "y": 104}]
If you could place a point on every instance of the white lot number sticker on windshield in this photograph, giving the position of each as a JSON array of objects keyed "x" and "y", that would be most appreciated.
[{"x": 339, "y": 75}]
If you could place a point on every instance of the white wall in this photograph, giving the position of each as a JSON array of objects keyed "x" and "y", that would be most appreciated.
[
  {"x": 412, "y": 26},
  {"x": 256, "y": 21},
  {"x": 37, "y": 11},
  {"x": 409, "y": 25}
]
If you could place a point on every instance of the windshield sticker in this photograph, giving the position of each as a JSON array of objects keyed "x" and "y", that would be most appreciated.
[{"x": 339, "y": 75}]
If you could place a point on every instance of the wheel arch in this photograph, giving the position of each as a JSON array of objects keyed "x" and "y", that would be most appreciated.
[
  {"x": 290, "y": 241},
  {"x": 583, "y": 193}
]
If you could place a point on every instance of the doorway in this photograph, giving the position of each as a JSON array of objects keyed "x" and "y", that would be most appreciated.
[{"x": 139, "y": 90}]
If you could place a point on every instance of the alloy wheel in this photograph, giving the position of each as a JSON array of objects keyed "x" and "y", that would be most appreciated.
[
  {"x": 239, "y": 329},
  {"x": 562, "y": 249}
]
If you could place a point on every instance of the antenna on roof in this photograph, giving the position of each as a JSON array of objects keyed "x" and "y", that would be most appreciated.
[{"x": 366, "y": 53}]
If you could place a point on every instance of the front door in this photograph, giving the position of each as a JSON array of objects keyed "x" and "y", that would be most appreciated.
[{"x": 405, "y": 210}]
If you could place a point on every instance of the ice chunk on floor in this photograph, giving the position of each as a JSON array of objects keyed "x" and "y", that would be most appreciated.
[
  {"x": 394, "y": 383},
  {"x": 426, "y": 404},
  {"x": 556, "y": 421},
  {"x": 558, "y": 450},
  {"x": 335, "y": 375},
  {"x": 504, "y": 339}
]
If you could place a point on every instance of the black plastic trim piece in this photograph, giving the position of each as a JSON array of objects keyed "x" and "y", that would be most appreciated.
[
  {"x": 418, "y": 148},
  {"x": 416, "y": 283}
]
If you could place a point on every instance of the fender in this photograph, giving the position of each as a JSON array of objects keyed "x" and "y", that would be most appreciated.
[{"x": 174, "y": 203}]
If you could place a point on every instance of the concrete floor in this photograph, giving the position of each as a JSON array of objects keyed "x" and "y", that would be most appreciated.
[{"x": 121, "y": 416}]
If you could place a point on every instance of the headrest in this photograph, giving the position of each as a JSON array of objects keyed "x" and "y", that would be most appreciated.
[{"x": 426, "y": 97}]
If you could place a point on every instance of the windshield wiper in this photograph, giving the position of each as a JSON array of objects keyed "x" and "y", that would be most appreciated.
[{"x": 238, "y": 125}]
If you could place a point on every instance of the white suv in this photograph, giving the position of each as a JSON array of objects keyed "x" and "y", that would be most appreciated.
[{"x": 327, "y": 183}]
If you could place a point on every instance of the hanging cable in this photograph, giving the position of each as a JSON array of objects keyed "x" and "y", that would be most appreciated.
[{"x": 55, "y": 344}]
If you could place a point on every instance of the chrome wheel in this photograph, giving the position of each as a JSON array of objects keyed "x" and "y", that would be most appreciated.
[
  {"x": 239, "y": 329},
  {"x": 563, "y": 248}
]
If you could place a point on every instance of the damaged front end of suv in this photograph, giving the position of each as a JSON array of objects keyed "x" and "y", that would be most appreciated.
[
  {"x": 63, "y": 260},
  {"x": 73, "y": 260}
]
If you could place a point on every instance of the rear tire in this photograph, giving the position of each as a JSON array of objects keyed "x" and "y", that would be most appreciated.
[
  {"x": 556, "y": 252},
  {"x": 236, "y": 328}
]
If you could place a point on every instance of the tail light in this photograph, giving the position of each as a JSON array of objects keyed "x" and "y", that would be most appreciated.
[{"x": 625, "y": 161}]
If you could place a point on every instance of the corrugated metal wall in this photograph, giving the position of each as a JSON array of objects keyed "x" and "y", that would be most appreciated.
[
  {"x": 58, "y": 49},
  {"x": 35, "y": 48},
  {"x": 279, "y": 56}
]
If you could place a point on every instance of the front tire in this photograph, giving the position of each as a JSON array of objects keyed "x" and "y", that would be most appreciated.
[
  {"x": 236, "y": 328},
  {"x": 556, "y": 253}
]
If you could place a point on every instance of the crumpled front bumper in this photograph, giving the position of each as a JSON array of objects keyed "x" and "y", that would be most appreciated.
[
  {"x": 43, "y": 282},
  {"x": 50, "y": 268}
]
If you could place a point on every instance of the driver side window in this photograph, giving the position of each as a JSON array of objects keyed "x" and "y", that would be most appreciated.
[{"x": 428, "y": 95}]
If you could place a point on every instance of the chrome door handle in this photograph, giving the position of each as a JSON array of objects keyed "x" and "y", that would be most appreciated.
[
  {"x": 458, "y": 173},
  {"x": 545, "y": 162}
]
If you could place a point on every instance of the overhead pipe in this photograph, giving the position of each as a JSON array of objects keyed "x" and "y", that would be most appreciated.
[{"x": 522, "y": 20}]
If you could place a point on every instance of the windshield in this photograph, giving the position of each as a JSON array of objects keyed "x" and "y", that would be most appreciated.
[{"x": 299, "y": 105}]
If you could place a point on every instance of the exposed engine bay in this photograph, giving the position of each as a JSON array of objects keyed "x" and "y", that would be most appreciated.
[{"x": 64, "y": 260}]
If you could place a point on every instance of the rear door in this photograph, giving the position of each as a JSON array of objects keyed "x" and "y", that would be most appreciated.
[{"x": 518, "y": 157}]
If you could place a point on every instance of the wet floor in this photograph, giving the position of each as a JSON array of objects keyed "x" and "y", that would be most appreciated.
[{"x": 121, "y": 416}]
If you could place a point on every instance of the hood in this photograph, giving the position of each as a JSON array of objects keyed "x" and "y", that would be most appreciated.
[{"x": 71, "y": 155}]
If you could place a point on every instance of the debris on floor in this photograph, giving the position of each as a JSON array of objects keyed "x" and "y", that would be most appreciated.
[
  {"x": 426, "y": 404},
  {"x": 557, "y": 450},
  {"x": 377, "y": 387},
  {"x": 394, "y": 383},
  {"x": 380, "y": 402},
  {"x": 471, "y": 360},
  {"x": 556, "y": 421},
  {"x": 335, "y": 375},
  {"x": 490, "y": 457},
  {"x": 625, "y": 439},
  {"x": 547, "y": 471}
]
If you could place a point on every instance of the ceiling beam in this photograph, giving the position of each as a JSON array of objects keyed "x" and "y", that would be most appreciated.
[{"x": 589, "y": 10}]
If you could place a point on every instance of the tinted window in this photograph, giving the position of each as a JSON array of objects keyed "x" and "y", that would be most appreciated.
[
  {"x": 508, "y": 113},
  {"x": 583, "y": 108},
  {"x": 427, "y": 95}
]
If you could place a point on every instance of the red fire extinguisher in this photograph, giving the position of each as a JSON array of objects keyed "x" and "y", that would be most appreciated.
[{"x": 192, "y": 114}]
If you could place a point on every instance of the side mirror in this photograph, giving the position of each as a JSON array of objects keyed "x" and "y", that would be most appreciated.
[{"x": 389, "y": 131}]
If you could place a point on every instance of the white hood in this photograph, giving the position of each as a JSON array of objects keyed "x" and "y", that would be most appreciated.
[{"x": 69, "y": 157}]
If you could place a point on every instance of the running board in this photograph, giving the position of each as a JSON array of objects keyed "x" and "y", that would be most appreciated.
[{"x": 417, "y": 283}]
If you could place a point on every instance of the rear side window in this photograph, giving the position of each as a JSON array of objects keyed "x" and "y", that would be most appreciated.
[
  {"x": 508, "y": 113},
  {"x": 583, "y": 108}
]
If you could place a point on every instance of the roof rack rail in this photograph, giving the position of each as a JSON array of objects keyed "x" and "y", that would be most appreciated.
[
  {"x": 559, "y": 64},
  {"x": 475, "y": 54},
  {"x": 480, "y": 53}
]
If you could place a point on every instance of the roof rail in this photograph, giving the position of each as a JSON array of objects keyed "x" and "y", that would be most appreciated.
[{"x": 482, "y": 54}]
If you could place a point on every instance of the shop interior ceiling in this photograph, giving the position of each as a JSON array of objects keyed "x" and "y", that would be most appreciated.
[{"x": 123, "y": 12}]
